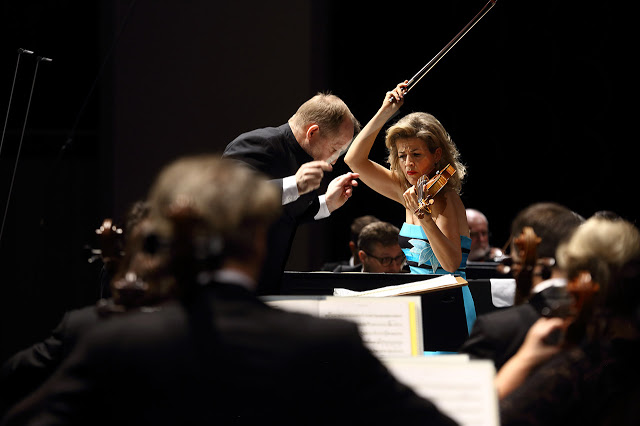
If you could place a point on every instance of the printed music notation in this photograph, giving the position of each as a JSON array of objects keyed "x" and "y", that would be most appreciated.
[
  {"x": 389, "y": 326},
  {"x": 461, "y": 388}
]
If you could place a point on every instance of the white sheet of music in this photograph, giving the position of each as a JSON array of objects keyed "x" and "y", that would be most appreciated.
[
  {"x": 385, "y": 327},
  {"x": 417, "y": 287},
  {"x": 462, "y": 389},
  {"x": 389, "y": 326}
]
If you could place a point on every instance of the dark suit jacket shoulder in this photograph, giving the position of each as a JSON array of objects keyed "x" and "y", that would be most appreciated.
[
  {"x": 61, "y": 340},
  {"x": 249, "y": 364},
  {"x": 275, "y": 152},
  {"x": 348, "y": 268},
  {"x": 30, "y": 367},
  {"x": 257, "y": 148},
  {"x": 498, "y": 335},
  {"x": 270, "y": 150}
]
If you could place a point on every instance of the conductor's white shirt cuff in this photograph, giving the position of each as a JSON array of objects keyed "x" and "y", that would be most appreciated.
[
  {"x": 289, "y": 190},
  {"x": 323, "y": 211}
]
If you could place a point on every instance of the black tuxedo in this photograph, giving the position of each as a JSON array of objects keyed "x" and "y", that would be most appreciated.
[
  {"x": 226, "y": 359},
  {"x": 275, "y": 152}
]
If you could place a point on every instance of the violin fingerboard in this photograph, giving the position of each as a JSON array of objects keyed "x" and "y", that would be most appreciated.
[{"x": 420, "y": 187}]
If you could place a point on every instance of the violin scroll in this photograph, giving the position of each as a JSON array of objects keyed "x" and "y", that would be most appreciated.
[{"x": 110, "y": 239}]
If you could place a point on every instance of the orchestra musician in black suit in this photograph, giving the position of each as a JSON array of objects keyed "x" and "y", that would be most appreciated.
[
  {"x": 296, "y": 155},
  {"x": 590, "y": 374},
  {"x": 218, "y": 354},
  {"x": 138, "y": 283},
  {"x": 498, "y": 335}
]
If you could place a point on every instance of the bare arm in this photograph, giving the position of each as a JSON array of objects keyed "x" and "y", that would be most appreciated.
[{"x": 376, "y": 176}]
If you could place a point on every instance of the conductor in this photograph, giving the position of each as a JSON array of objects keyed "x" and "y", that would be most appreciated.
[{"x": 295, "y": 156}]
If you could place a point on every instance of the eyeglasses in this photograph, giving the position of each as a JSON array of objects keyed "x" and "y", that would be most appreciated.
[{"x": 386, "y": 261}]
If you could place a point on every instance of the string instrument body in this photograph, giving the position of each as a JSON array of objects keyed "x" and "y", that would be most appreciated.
[
  {"x": 428, "y": 188},
  {"x": 527, "y": 245}
]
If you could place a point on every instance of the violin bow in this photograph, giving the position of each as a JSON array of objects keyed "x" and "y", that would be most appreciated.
[{"x": 432, "y": 63}]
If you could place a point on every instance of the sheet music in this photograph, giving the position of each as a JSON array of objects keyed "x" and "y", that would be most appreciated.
[
  {"x": 464, "y": 390},
  {"x": 389, "y": 326},
  {"x": 416, "y": 287},
  {"x": 385, "y": 327}
]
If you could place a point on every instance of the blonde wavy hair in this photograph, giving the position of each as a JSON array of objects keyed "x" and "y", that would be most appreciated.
[{"x": 426, "y": 127}]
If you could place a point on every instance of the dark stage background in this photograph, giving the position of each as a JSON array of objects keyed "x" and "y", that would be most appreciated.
[{"x": 537, "y": 97}]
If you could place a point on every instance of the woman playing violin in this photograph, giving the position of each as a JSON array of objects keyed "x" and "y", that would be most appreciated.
[{"x": 418, "y": 145}]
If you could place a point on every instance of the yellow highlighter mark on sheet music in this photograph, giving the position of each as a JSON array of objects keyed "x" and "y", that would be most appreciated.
[{"x": 413, "y": 329}]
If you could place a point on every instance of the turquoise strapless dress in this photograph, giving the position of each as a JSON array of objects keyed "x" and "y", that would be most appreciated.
[{"x": 422, "y": 260}]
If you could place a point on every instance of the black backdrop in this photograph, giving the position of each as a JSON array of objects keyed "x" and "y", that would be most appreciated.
[{"x": 537, "y": 96}]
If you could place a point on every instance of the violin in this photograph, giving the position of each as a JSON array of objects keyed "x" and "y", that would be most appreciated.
[
  {"x": 110, "y": 239},
  {"x": 527, "y": 244},
  {"x": 582, "y": 289},
  {"x": 428, "y": 189},
  {"x": 110, "y": 252}
]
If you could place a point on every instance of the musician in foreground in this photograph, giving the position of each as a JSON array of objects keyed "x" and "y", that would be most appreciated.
[
  {"x": 220, "y": 355},
  {"x": 438, "y": 242}
]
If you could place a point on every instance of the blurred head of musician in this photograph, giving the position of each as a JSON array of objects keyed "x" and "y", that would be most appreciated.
[
  {"x": 553, "y": 224},
  {"x": 214, "y": 213},
  {"x": 599, "y": 259},
  {"x": 481, "y": 249},
  {"x": 143, "y": 278}
]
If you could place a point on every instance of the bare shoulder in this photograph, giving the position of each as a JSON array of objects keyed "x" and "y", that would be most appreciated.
[{"x": 450, "y": 205}]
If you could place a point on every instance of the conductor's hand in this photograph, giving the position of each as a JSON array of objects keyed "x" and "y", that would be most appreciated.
[
  {"x": 309, "y": 175},
  {"x": 340, "y": 190}
]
